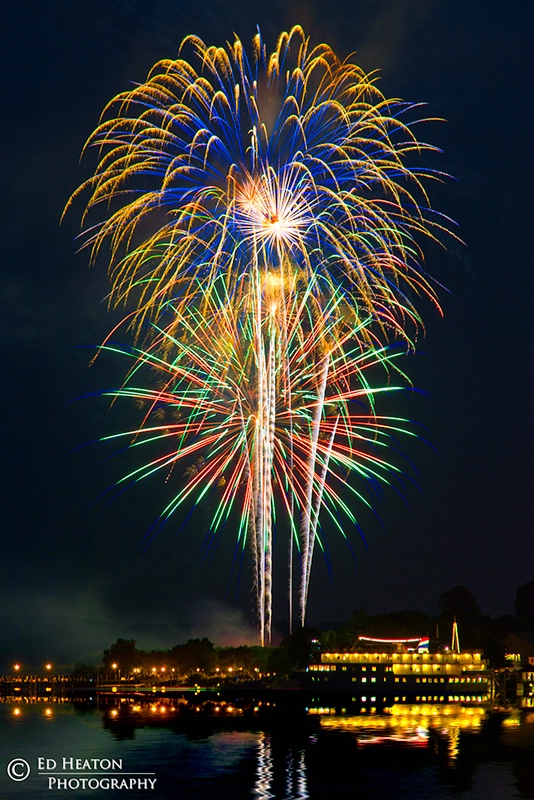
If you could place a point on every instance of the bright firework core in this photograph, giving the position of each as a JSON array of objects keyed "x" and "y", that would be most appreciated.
[
  {"x": 264, "y": 226},
  {"x": 272, "y": 216}
]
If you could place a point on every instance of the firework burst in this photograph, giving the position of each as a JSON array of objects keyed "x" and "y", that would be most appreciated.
[
  {"x": 273, "y": 407},
  {"x": 223, "y": 164},
  {"x": 263, "y": 218}
]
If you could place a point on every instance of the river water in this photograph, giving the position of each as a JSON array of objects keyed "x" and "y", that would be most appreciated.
[{"x": 121, "y": 749}]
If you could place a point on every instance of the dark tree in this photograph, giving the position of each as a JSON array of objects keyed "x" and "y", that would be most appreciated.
[
  {"x": 295, "y": 651},
  {"x": 459, "y": 603},
  {"x": 358, "y": 624},
  {"x": 195, "y": 654},
  {"x": 245, "y": 658},
  {"x": 124, "y": 654},
  {"x": 524, "y": 607}
]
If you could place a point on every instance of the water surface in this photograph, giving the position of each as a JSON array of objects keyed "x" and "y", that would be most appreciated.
[{"x": 419, "y": 753}]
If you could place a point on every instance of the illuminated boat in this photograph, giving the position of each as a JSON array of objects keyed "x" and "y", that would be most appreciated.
[{"x": 403, "y": 670}]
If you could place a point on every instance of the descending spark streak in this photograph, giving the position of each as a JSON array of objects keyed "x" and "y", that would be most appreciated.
[
  {"x": 266, "y": 429},
  {"x": 244, "y": 402},
  {"x": 307, "y": 515},
  {"x": 312, "y": 533},
  {"x": 264, "y": 214}
]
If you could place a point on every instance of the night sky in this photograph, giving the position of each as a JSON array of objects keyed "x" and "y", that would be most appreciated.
[{"x": 77, "y": 569}]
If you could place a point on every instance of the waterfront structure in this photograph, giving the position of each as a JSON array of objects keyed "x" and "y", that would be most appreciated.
[
  {"x": 519, "y": 648},
  {"x": 403, "y": 670},
  {"x": 518, "y": 677}
]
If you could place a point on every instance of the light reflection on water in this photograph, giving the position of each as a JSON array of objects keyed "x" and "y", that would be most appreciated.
[
  {"x": 295, "y": 787},
  {"x": 411, "y": 752},
  {"x": 410, "y": 724},
  {"x": 264, "y": 769}
]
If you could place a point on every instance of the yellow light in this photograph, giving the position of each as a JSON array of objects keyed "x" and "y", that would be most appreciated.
[
  {"x": 274, "y": 280},
  {"x": 512, "y": 721}
]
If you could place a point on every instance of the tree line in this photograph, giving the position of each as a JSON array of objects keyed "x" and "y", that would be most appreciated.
[{"x": 198, "y": 659}]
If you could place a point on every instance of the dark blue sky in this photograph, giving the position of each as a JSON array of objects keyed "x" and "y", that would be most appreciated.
[{"x": 74, "y": 566}]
